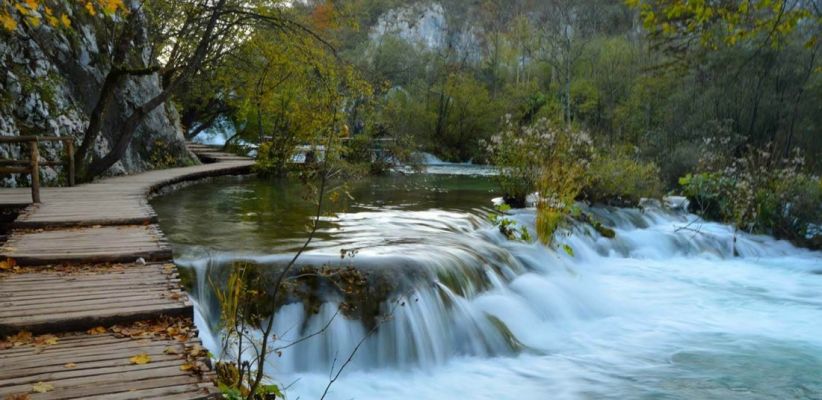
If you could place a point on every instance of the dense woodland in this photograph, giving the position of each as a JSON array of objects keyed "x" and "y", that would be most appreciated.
[{"x": 718, "y": 101}]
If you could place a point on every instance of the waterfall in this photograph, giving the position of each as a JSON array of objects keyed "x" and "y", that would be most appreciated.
[
  {"x": 476, "y": 294},
  {"x": 671, "y": 307}
]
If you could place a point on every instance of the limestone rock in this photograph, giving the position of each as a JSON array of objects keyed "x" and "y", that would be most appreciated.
[{"x": 49, "y": 87}]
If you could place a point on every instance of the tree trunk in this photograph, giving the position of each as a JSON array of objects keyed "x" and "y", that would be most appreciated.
[{"x": 131, "y": 124}]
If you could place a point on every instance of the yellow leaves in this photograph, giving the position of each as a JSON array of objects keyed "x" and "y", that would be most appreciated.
[
  {"x": 42, "y": 387},
  {"x": 169, "y": 268},
  {"x": 33, "y": 21},
  {"x": 96, "y": 330},
  {"x": 140, "y": 359},
  {"x": 187, "y": 367},
  {"x": 196, "y": 351},
  {"x": 65, "y": 21},
  {"x": 21, "y": 9},
  {"x": 35, "y": 12},
  {"x": 8, "y": 263},
  {"x": 8, "y": 23},
  {"x": 20, "y": 339},
  {"x": 170, "y": 350},
  {"x": 90, "y": 9},
  {"x": 649, "y": 19},
  {"x": 70, "y": 365},
  {"x": 45, "y": 340},
  {"x": 112, "y": 6},
  {"x": 26, "y": 338},
  {"x": 108, "y": 7}
]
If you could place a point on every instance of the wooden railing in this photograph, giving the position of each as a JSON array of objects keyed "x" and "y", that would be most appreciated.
[{"x": 33, "y": 164}]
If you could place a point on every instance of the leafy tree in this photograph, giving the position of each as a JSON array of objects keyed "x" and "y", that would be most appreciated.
[
  {"x": 679, "y": 25},
  {"x": 285, "y": 91},
  {"x": 465, "y": 115}
]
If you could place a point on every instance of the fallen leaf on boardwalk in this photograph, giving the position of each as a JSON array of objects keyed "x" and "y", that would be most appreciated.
[
  {"x": 196, "y": 350},
  {"x": 45, "y": 340},
  {"x": 7, "y": 264},
  {"x": 140, "y": 359},
  {"x": 96, "y": 331},
  {"x": 19, "y": 396},
  {"x": 20, "y": 339},
  {"x": 171, "y": 350},
  {"x": 42, "y": 387},
  {"x": 186, "y": 367},
  {"x": 70, "y": 365}
]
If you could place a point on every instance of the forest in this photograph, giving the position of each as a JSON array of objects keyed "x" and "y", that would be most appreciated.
[{"x": 718, "y": 102}]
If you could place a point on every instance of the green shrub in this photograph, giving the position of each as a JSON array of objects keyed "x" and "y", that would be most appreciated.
[
  {"x": 507, "y": 226},
  {"x": 621, "y": 180}
]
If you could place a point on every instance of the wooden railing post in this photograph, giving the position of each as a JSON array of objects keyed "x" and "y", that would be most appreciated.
[
  {"x": 70, "y": 151},
  {"x": 35, "y": 171}
]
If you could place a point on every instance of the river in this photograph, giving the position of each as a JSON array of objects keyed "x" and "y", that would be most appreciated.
[{"x": 656, "y": 313}]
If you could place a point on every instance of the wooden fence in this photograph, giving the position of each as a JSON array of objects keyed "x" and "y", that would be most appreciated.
[{"x": 33, "y": 164}]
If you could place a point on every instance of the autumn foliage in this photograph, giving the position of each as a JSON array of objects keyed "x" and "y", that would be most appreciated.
[{"x": 37, "y": 12}]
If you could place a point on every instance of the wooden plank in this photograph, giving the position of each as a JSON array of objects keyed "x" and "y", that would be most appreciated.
[
  {"x": 160, "y": 290},
  {"x": 86, "y": 305},
  {"x": 97, "y": 347},
  {"x": 83, "y": 320},
  {"x": 159, "y": 255},
  {"x": 15, "y": 170}
]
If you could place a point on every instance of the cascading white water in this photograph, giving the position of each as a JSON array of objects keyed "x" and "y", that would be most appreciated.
[{"x": 664, "y": 310}]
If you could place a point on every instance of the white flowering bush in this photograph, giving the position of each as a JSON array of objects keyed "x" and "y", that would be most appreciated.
[
  {"x": 760, "y": 192},
  {"x": 545, "y": 158}
]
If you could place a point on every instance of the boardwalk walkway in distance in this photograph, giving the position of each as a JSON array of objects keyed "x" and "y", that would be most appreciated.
[{"x": 86, "y": 286}]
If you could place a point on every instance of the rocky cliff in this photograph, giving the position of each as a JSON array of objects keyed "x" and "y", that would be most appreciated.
[{"x": 50, "y": 81}]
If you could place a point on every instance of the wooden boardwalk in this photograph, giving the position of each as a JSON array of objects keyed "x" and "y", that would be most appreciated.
[{"x": 91, "y": 257}]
